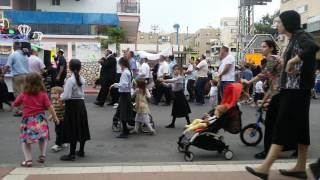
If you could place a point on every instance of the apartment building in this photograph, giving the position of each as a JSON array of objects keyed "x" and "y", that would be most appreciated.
[
  {"x": 229, "y": 32},
  {"x": 68, "y": 24},
  {"x": 310, "y": 14},
  {"x": 202, "y": 39}
]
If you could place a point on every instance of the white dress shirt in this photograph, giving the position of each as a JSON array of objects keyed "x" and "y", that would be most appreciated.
[
  {"x": 144, "y": 70},
  {"x": 163, "y": 69}
]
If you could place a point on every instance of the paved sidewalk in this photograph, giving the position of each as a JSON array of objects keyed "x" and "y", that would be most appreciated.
[{"x": 166, "y": 172}]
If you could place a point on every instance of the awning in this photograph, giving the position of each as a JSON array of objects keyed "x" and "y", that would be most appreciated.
[{"x": 37, "y": 17}]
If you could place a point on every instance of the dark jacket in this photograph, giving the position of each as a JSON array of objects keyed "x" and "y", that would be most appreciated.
[
  {"x": 108, "y": 69},
  {"x": 303, "y": 45}
]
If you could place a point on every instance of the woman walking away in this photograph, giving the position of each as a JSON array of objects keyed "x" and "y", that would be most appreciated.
[
  {"x": 75, "y": 127},
  {"x": 34, "y": 126},
  {"x": 141, "y": 107},
  {"x": 180, "y": 106},
  {"x": 297, "y": 80},
  {"x": 124, "y": 87}
]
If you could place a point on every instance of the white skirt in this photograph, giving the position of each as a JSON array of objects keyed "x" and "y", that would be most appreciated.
[{"x": 142, "y": 118}]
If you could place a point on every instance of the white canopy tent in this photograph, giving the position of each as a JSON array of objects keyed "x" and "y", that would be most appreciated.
[{"x": 153, "y": 57}]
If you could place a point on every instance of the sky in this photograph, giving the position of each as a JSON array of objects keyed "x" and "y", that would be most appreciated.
[{"x": 194, "y": 14}]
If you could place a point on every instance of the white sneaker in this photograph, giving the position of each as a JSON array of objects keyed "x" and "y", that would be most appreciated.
[
  {"x": 65, "y": 145},
  {"x": 56, "y": 148},
  {"x": 115, "y": 106}
]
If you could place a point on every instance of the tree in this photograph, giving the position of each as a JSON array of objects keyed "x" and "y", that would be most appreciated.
[
  {"x": 264, "y": 25},
  {"x": 116, "y": 35}
]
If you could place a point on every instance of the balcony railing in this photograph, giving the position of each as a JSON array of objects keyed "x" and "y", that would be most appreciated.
[{"x": 128, "y": 7}]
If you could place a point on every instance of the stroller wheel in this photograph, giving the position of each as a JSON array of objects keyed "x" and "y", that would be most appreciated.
[
  {"x": 188, "y": 156},
  {"x": 181, "y": 148},
  {"x": 228, "y": 155}
]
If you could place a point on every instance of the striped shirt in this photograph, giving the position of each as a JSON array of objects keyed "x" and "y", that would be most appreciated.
[{"x": 58, "y": 106}]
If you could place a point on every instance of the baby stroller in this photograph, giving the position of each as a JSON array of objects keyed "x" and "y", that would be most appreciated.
[
  {"x": 208, "y": 138},
  {"x": 117, "y": 126}
]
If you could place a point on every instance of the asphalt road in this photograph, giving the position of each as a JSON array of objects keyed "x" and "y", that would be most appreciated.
[{"x": 105, "y": 148}]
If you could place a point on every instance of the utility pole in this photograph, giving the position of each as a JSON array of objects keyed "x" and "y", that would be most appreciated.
[
  {"x": 155, "y": 29},
  {"x": 246, "y": 23}
]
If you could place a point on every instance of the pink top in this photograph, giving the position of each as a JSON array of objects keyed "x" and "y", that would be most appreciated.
[{"x": 32, "y": 104}]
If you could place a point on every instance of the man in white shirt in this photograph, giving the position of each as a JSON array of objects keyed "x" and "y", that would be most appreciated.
[
  {"x": 144, "y": 69},
  {"x": 163, "y": 73},
  {"x": 226, "y": 70},
  {"x": 191, "y": 79},
  {"x": 202, "y": 71},
  {"x": 35, "y": 63}
]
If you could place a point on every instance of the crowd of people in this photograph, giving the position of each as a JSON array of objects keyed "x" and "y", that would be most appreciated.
[{"x": 282, "y": 84}]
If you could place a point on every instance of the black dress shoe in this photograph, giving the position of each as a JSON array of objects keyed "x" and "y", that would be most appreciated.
[
  {"x": 80, "y": 154},
  {"x": 98, "y": 104},
  {"x": 299, "y": 175},
  {"x": 255, "y": 173},
  {"x": 170, "y": 126},
  {"x": 68, "y": 157},
  {"x": 122, "y": 136},
  {"x": 261, "y": 155},
  {"x": 110, "y": 104}
]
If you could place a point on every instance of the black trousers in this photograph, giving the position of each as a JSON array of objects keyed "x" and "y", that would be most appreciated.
[
  {"x": 59, "y": 133},
  {"x": 73, "y": 146},
  {"x": 103, "y": 93},
  {"x": 200, "y": 85},
  {"x": 114, "y": 93},
  {"x": 163, "y": 90},
  {"x": 191, "y": 89},
  {"x": 60, "y": 83}
]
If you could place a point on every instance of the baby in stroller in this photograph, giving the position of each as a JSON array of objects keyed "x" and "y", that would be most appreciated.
[
  {"x": 203, "y": 133},
  {"x": 232, "y": 94}
]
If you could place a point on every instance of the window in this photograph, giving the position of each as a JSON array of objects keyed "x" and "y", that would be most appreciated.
[
  {"x": 284, "y": 1},
  {"x": 141, "y": 37},
  {"x": 5, "y": 3},
  {"x": 55, "y": 2}
]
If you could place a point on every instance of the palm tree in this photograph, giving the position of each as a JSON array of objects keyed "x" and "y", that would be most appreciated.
[{"x": 116, "y": 35}]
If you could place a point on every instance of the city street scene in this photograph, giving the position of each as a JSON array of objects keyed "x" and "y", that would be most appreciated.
[{"x": 145, "y": 89}]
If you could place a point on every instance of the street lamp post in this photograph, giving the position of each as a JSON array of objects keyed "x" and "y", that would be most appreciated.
[
  {"x": 155, "y": 29},
  {"x": 177, "y": 27}
]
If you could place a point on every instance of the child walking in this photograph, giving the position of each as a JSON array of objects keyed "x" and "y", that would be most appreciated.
[
  {"x": 124, "y": 88},
  {"x": 58, "y": 106},
  {"x": 213, "y": 93},
  {"x": 75, "y": 124},
  {"x": 180, "y": 106},
  {"x": 34, "y": 126},
  {"x": 141, "y": 107}
]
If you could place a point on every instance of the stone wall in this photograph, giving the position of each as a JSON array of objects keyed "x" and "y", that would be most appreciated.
[{"x": 90, "y": 71}]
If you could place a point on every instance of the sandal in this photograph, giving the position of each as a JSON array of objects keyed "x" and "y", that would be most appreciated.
[
  {"x": 41, "y": 159},
  {"x": 26, "y": 163}
]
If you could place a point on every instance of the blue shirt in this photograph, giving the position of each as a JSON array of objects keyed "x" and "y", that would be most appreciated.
[
  {"x": 18, "y": 63},
  {"x": 125, "y": 83},
  {"x": 247, "y": 74},
  {"x": 133, "y": 67}
]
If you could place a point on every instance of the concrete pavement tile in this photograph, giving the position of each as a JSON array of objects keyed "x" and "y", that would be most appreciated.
[
  {"x": 87, "y": 170},
  {"x": 22, "y": 171},
  {"x": 179, "y": 175},
  {"x": 190, "y": 168},
  {"x": 171, "y": 168},
  {"x": 228, "y": 168},
  {"x": 208, "y": 168},
  {"x": 15, "y": 177},
  {"x": 56, "y": 177},
  {"x": 5, "y": 171},
  {"x": 112, "y": 169},
  {"x": 128, "y": 169},
  {"x": 151, "y": 169}
]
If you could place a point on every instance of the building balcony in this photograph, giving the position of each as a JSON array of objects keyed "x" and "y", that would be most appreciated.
[{"x": 128, "y": 6}]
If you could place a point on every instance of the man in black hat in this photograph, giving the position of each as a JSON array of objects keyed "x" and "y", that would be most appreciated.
[{"x": 107, "y": 76}]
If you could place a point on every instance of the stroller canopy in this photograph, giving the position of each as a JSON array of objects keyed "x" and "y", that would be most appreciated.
[{"x": 231, "y": 94}]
